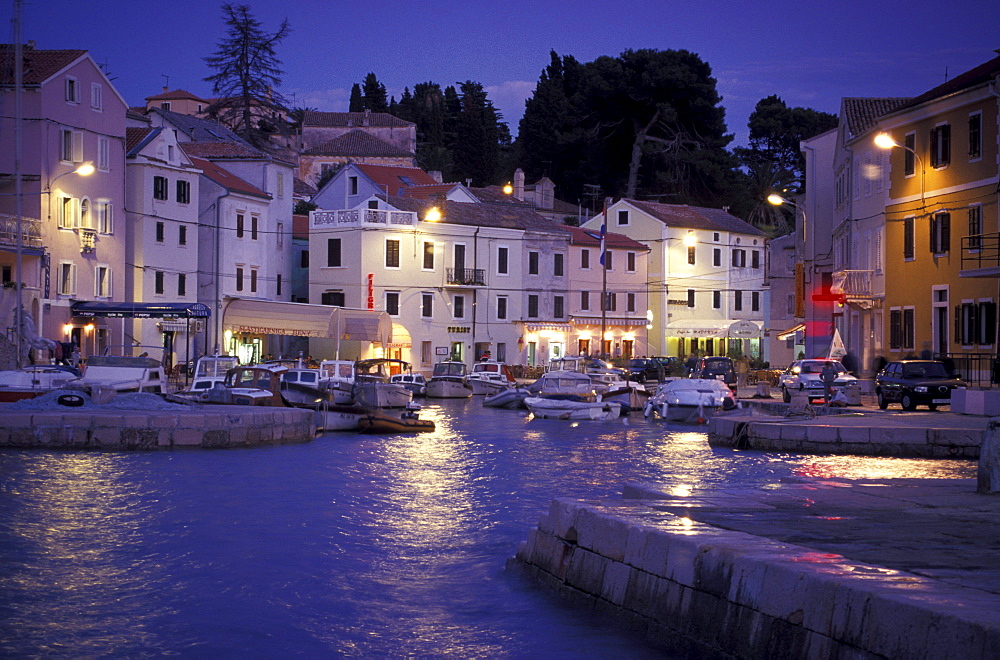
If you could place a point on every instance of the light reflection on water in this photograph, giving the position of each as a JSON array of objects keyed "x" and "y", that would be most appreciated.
[{"x": 351, "y": 545}]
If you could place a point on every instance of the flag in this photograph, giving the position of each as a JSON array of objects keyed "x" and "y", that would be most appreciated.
[{"x": 604, "y": 231}]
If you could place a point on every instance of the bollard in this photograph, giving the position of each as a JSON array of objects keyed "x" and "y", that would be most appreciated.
[{"x": 988, "y": 475}]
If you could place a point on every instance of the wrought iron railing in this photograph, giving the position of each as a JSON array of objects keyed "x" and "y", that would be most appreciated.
[
  {"x": 31, "y": 231},
  {"x": 981, "y": 251},
  {"x": 466, "y": 276},
  {"x": 977, "y": 369},
  {"x": 855, "y": 283}
]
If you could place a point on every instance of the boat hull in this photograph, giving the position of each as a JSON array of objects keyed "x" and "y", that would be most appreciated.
[
  {"x": 573, "y": 410},
  {"x": 376, "y": 422},
  {"x": 511, "y": 398},
  {"x": 448, "y": 389}
]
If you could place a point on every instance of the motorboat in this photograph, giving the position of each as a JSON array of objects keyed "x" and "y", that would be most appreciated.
[
  {"x": 109, "y": 374},
  {"x": 690, "y": 400},
  {"x": 208, "y": 370},
  {"x": 416, "y": 383},
  {"x": 510, "y": 398},
  {"x": 609, "y": 381},
  {"x": 249, "y": 385},
  {"x": 409, "y": 421},
  {"x": 29, "y": 382},
  {"x": 372, "y": 388},
  {"x": 489, "y": 377},
  {"x": 338, "y": 377},
  {"x": 449, "y": 381},
  {"x": 573, "y": 407}
]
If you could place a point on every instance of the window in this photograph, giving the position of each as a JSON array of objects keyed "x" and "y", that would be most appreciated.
[
  {"x": 158, "y": 281},
  {"x": 755, "y": 301},
  {"x": 85, "y": 218},
  {"x": 975, "y": 227},
  {"x": 975, "y": 323},
  {"x": 738, "y": 300},
  {"x": 67, "y": 209},
  {"x": 281, "y": 185},
  {"x": 501, "y": 307},
  {"x": 254, "y": 221},
  {"x": 622, "y": 218},
  {"x": 908, "y": 327},
  {"x": 333, "y": 298},
  {"x": 716, "y": 300},
  {"x": 105, "y": 218},
  {"x": 159, "y": 187},
  {"x": 895, "y": 329},
  {"x": 425, "y": 352},
  {"x": 165, "y": 105},
  {"x": 277, "y": 284},
  {"x": 427, "y": 305},
  {"x": 392, "y": 253},
  {"x": 691, "y": 254},
  {"x": 71, "y": 146},
  {"x": 239, "y": 225},
  {"x": 67, "y": 278},
  {"x": 610, "y": 302},
  {"x": 558, "y": 307},
  {"x": 532, "y": 306},
  {"x": 630, "y": 262},
  {"x": 716, "y": 257},
  {"x": 428, "y": 255},
  {"x": 557, "y": 264},
  {"x": 585, "y": 300},
  {"x": 253, "y": 280},
  {"x": 392, "y": 303},
  {"x": 607, "y": 260},
  {"x": 304, "y": 259},
  {"x": 159, "y": 232},
  {"x": 909, "y": 154},
  {"x": 908, "y": 242},
  {"x": 458, "y": 307},
  {"x": 585, "y": 259},
  {"x": 941, "y": 146},
  {"x": 940, "y": 233},
  {"x": 103, "y": 153},
  {"x": 503, "y": 254},
  {"x": 739, "y": 258},
  {"x": 183, "y": 191},
  {"x": 96, "y": 96},
  {"x": 72, "y": 90},
  {"x": 181, "y": 284},
  {"x": 975, "y": 136},
  {"x": 239, "y": 279},
  {"x": 333, "y": 253},
  {"x": 690, "y": 297},
  {"x": 533, "y": 263},
  {"x": 755, "y": 259},
  {"x": 630, "y": 302},
  {"x": 182, "y": 235},
  {"x": 352, "y": 183},
  {"x": 102, "y": 281}
]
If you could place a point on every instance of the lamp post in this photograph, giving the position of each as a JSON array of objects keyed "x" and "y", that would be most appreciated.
[
  {"x": 885, "y": 141},
  {"x": 778, "y": 200}
]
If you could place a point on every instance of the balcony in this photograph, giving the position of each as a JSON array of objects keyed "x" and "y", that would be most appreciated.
[
  {"x": 363, "y": 218},
  {"x": 465, "y": 276},
  {"x": 856, "y": 285},
  {"x": 981, "y": 255},
  {"x": 31, "y": 231}
]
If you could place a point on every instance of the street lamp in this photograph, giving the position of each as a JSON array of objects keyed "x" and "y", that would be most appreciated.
[
  {"x": 778, "y": 200},
  {"x": 85, "y": 169},
  {"x": 885, "y": 141}
]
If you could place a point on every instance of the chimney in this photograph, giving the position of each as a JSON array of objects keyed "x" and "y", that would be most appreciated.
[
  {"x": 436, "y": 175},
  {"x": 519, "y": 184},
  {"x": 367, "y": 121},
  {"x": 165, "y": 89}
]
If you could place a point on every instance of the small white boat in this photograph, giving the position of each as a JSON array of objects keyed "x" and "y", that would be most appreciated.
[
  {"x": 416, "y": 383},
  {"x": 372, "y": 388},
  {"x": 122, "y": 374},
  {"x": 690, "y": 400},
  {"x": 449, "y": 381},
  {"x": 29, "y": 382},
  {"x": 489, "y": 377},
  {"x": 338, "y": 377},
  {"x": 510, "y": 398},
  {"x": 208, "y": 370},
  {"x": 572, "y": 407}
]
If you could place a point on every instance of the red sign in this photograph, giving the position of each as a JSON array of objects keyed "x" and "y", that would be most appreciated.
[{"x": 371, "y": 290}]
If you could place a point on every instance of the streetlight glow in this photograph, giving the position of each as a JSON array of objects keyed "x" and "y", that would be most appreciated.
[
  {"x": 885, "y": 141},
  {"x": 508, "y": 189},
  {"x": 776, "y": 199},
  {"x": 432, "y": 215}
]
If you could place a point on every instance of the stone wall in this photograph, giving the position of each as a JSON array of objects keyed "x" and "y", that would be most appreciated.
[{"x": 701, "y": 591}]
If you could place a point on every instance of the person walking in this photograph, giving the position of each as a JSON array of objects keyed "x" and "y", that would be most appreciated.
[{"x": 828, "y": 376}]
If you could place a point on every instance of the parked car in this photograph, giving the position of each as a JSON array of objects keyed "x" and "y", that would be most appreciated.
[
  {"x": 913, "y": 383},
  {"x": 642, "y": 369},
  {"x": 804, "y": 376},
  {"x": 715, "y": 368}
]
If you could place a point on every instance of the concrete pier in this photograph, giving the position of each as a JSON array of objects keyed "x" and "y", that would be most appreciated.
[{"x": 809, "y": 569}]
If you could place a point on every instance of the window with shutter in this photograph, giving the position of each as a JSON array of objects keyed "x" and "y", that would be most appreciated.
[
  {"x": 940, "y": 146},
  {"x": 908, "y": 247}
]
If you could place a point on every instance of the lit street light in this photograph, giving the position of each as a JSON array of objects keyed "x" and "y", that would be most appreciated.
[
  {"x": 778, "y": 200},
  {"x": 885, "y": 141}
]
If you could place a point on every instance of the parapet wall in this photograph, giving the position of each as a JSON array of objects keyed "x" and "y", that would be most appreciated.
[
  {"x": 204, "y": 426},
  {"x": 701, "y": 591}
]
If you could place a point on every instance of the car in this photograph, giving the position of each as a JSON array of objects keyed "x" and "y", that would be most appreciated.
[
  {"x": 715, "y": 368},
  {"x": 912, "y": 383},
  {"x": 804, "y": 376},
  {"x": 642, "y": 369}
]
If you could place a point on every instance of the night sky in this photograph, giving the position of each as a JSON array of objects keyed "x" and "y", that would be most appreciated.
[{"x": 809, "y": 53}]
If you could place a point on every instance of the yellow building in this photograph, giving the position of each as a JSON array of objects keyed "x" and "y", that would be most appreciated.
[{"x": 942, "y": 261}]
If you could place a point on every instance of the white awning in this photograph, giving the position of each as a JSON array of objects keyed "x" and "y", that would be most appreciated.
[
  {"x": 791, "y": 332},
  {"x": 400, "y": 337},
  {"x": 714, "y": 328},
  {"x": 635, "y": 321},
  {"x": 268, "y": 317}
]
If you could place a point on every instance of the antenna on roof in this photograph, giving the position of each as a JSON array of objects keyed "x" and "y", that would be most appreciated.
[
  {"x": 166, "y": 81},
  {"x": 946, "y": 73}
]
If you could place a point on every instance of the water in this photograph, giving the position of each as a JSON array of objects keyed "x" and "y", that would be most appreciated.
[{"x": 350, "y": 545}]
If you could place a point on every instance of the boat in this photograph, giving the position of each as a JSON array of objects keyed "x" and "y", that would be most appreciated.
[
  {"x": 511, "y": 398},
  {"x": 573, "y": 407},
  {"x": 208, "y": 370},
  {"x": 609, "y": 381},
  {"x": 416, "y": 383},
  {"x": 690, "y": 400},
  {"x": 109, "y": 374},
  {"x": 29, "y": 382},
  {"x": 372, "y": 388},
  {"x": 449, "y": 381},
  {"x": 489, "y": 377},
  {"x": 249, "y": 385},
  {"x": 338, "y": 377},
  {"x": 376, "y": 421},
  {"x": 300, "y": 387}
]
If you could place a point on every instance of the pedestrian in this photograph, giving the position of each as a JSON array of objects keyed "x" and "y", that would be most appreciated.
[{"x": 828, "y": 376}]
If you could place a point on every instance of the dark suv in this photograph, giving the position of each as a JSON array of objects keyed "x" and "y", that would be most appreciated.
[
  {"x": 913, "y": 383},
  {"x": 716, "y": 368},
  {"x": 642, "y": 369}
]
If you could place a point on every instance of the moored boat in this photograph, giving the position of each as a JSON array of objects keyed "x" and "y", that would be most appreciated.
[
  {"x": 372, "y": 388},
  {"x": 375, "y": 421},
  {"x": 29, "y": 382},
  {"x": 489, "y": 377},
  {"x": 573, "y": 408},
  {"x": 690, "y": 400},
  {"x": 338, "y": 377},
  {"x": 511, "y": 398},
  {"x": 208, "y": 370},
  {"x": 416, "y": 383},
  {"x": 449, "y": 381}
]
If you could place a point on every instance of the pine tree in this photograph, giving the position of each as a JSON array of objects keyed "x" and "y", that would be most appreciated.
[
  {"x": 357, "y": 103},
  {"x": 374, "y": 92}
]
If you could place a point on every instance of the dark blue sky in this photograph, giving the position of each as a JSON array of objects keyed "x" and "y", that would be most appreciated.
[{"x": 809, "y": 53}]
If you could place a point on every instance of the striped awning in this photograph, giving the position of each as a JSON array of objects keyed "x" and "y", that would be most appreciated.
[{"x": 269, "y": 317}]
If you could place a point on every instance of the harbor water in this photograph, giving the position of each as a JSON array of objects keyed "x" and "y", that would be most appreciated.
[{"x": 351, "y": 545}]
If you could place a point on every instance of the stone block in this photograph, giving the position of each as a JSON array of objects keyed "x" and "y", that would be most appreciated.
[
  {"x": 956, "y": 437},
  {"x": 795, "y": 432},
  {"x": 186, "y": 437},
  {"x": 681, "y": 557},
  {"x": 765, "y": 431},
  {"x": 602, "y": 533},
  {"x": 617, "y": 577},
  {"x": 855, "y": 434},
  {"x": 823, "y": 435},
  {"x": 644, "y": 593},
  {"x": 561, "y": 519},
  {"x": 586, "y": 571}
]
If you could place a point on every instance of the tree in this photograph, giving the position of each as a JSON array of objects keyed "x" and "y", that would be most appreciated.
[
  {"x": 247, "y": 76},
  {"x": 357, "y": 102},
  {"x": 374, "y": 94},
  {"x": 476, "y": 147}
]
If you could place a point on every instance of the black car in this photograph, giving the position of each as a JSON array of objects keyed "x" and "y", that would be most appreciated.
[
  {"x": 913, "y": 383},
  {"x": 716, "y": 368},
  {"x": 642, "y": 369}
]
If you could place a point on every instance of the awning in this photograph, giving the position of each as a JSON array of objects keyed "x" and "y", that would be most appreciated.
[
  {"x": 268, "y": 317},
  {"x": 137, "y": 310},
  {"x": 635, "y": 321},
  {"x": 791, "y": 331},
  {"x": 714, "y": 328},
  {"x": 551, "y": 327}
]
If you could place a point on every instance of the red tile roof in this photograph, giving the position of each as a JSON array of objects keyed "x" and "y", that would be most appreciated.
[
  {"x": 175, "y": 94},
  {"x": 135, "y": 136},
  {"x": 695, "y": 217},
  {"x": 480, "y": 215},
  {"x": 351, "y": 119},
  {"x": 39, "y": 65},
  {"x": 226, "y": 179},
  {"x": 357, "y": 143},
  {"x": 428, "y": 191},
  {"x": 861, "y": 114},
  {"x": 221, "y": 150},
  {"x": 395, "y": 178},
  {"x": 590, "y": 237},
  {"x": 980, "y": 75}
]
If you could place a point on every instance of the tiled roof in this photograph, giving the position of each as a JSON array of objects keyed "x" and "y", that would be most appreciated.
[
  {"x": 137, "y": 138},
  {"x": 861, "y": 114},
  {"x": 592, "y": 238},
  {"x": 220, "y": 150},
  {"x": 974, "y": 77},
  {"x": 496, "y": 195},
  {"x": 226, "y": 179},
  {"x": 357, "y": 143},
  {"x": 39, "y": 65},
  {"x": 695, "y": 217},
  {"x": 300, "y": 187},
  {"x": 428, "y": 191},
  {"x": 175, "y": 94},
  {"x": 199, "y": 130},
  {"x": 394, "y": 178},
  {"x": 351, "y": 119},
  {"x": 480, "y": 215}
]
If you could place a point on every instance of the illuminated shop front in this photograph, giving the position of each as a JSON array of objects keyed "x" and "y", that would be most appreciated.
[
  {"x": 714, "y": 337},
  {"x": 623, "y": 337}
]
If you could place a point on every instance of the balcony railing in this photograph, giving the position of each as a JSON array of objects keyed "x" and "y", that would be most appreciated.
[
  {"x": 361, "y": 217},
  {"x": 855, "y": 284},
  {"x": 31, "y": 231},
  {"x": 466, "y": 276},
  {"x": 981, "y": 251}
]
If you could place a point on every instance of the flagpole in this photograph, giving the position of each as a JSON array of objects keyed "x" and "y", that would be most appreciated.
[{"x": 604, "y": 280}]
